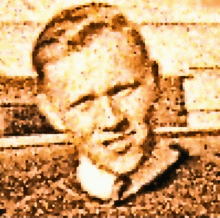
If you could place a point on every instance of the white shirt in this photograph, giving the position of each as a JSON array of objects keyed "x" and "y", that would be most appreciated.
[{"x": 101, "y": 184}]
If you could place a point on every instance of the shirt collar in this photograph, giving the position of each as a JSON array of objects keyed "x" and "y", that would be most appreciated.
[{"x": 162, "y": 157}]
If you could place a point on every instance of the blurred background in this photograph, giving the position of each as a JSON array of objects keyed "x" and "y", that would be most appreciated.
[{"x": 182, "y": 37}]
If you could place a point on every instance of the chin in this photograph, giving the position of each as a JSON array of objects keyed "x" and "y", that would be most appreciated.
[{"x": 126, "y": 163}]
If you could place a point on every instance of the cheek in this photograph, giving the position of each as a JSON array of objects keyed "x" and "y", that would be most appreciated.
[
  {"x": 80, "y": 122},
  {"x": 135, "y": 105}
]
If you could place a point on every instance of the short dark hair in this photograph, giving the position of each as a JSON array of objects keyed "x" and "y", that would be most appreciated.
[{"x": 69, "y": 31}]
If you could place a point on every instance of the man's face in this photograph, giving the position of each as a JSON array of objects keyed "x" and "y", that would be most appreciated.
[{"x": 102, "y": 94}]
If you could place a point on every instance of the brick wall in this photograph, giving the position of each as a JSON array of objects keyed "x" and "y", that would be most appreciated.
[{"x": 19, "y": 112}]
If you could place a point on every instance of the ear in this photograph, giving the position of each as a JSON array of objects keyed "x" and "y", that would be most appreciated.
[{"x": 50, "y": 111}]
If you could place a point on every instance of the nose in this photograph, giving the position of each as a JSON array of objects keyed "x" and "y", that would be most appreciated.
[{"x": 110, "y": 116}]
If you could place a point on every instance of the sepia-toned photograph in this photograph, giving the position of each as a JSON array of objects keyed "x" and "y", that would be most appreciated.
[{"x": 109, "y": 108}]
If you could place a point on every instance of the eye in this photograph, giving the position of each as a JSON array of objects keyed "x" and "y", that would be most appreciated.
[
  {"x": 124, "y": 92},
  {"x": 83, "y": 101},
  {"x": 116, "y": 90},
  {"x": 123, "y": 89}
]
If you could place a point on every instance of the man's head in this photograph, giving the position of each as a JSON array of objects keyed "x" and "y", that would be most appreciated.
[{"x": 93, "y": 69}]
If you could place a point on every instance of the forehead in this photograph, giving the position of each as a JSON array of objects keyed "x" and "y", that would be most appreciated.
[{"x": 109, "y": 60}]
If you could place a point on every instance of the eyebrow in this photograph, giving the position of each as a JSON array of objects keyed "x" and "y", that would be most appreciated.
[{"x": 112, "y": 91}]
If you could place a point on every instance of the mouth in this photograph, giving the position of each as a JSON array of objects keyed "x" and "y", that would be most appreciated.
[{"x": 119, "y": 144}]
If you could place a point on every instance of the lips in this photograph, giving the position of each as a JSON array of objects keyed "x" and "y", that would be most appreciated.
[
  {"x": 108, "y": 142},
  {"x": 120, "y": 144},
  {"x": 124, "y": 150}
]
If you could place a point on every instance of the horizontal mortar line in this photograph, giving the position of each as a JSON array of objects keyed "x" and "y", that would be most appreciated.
[
  {"x": 32, "y": 140},
  {"x": 31, "y": 22},
  {"x": 19, "y": 104},
  {"x": 25, "y": 22},
  {"x": 198, "y": 110},
  {"x": 205, "y": 68},
  {"x": 179, "y": 132},
  {"x": 181, "y": 23}
]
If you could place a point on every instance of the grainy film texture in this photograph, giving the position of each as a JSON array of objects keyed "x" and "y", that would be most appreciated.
[{"x": 109, "y": 109}]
